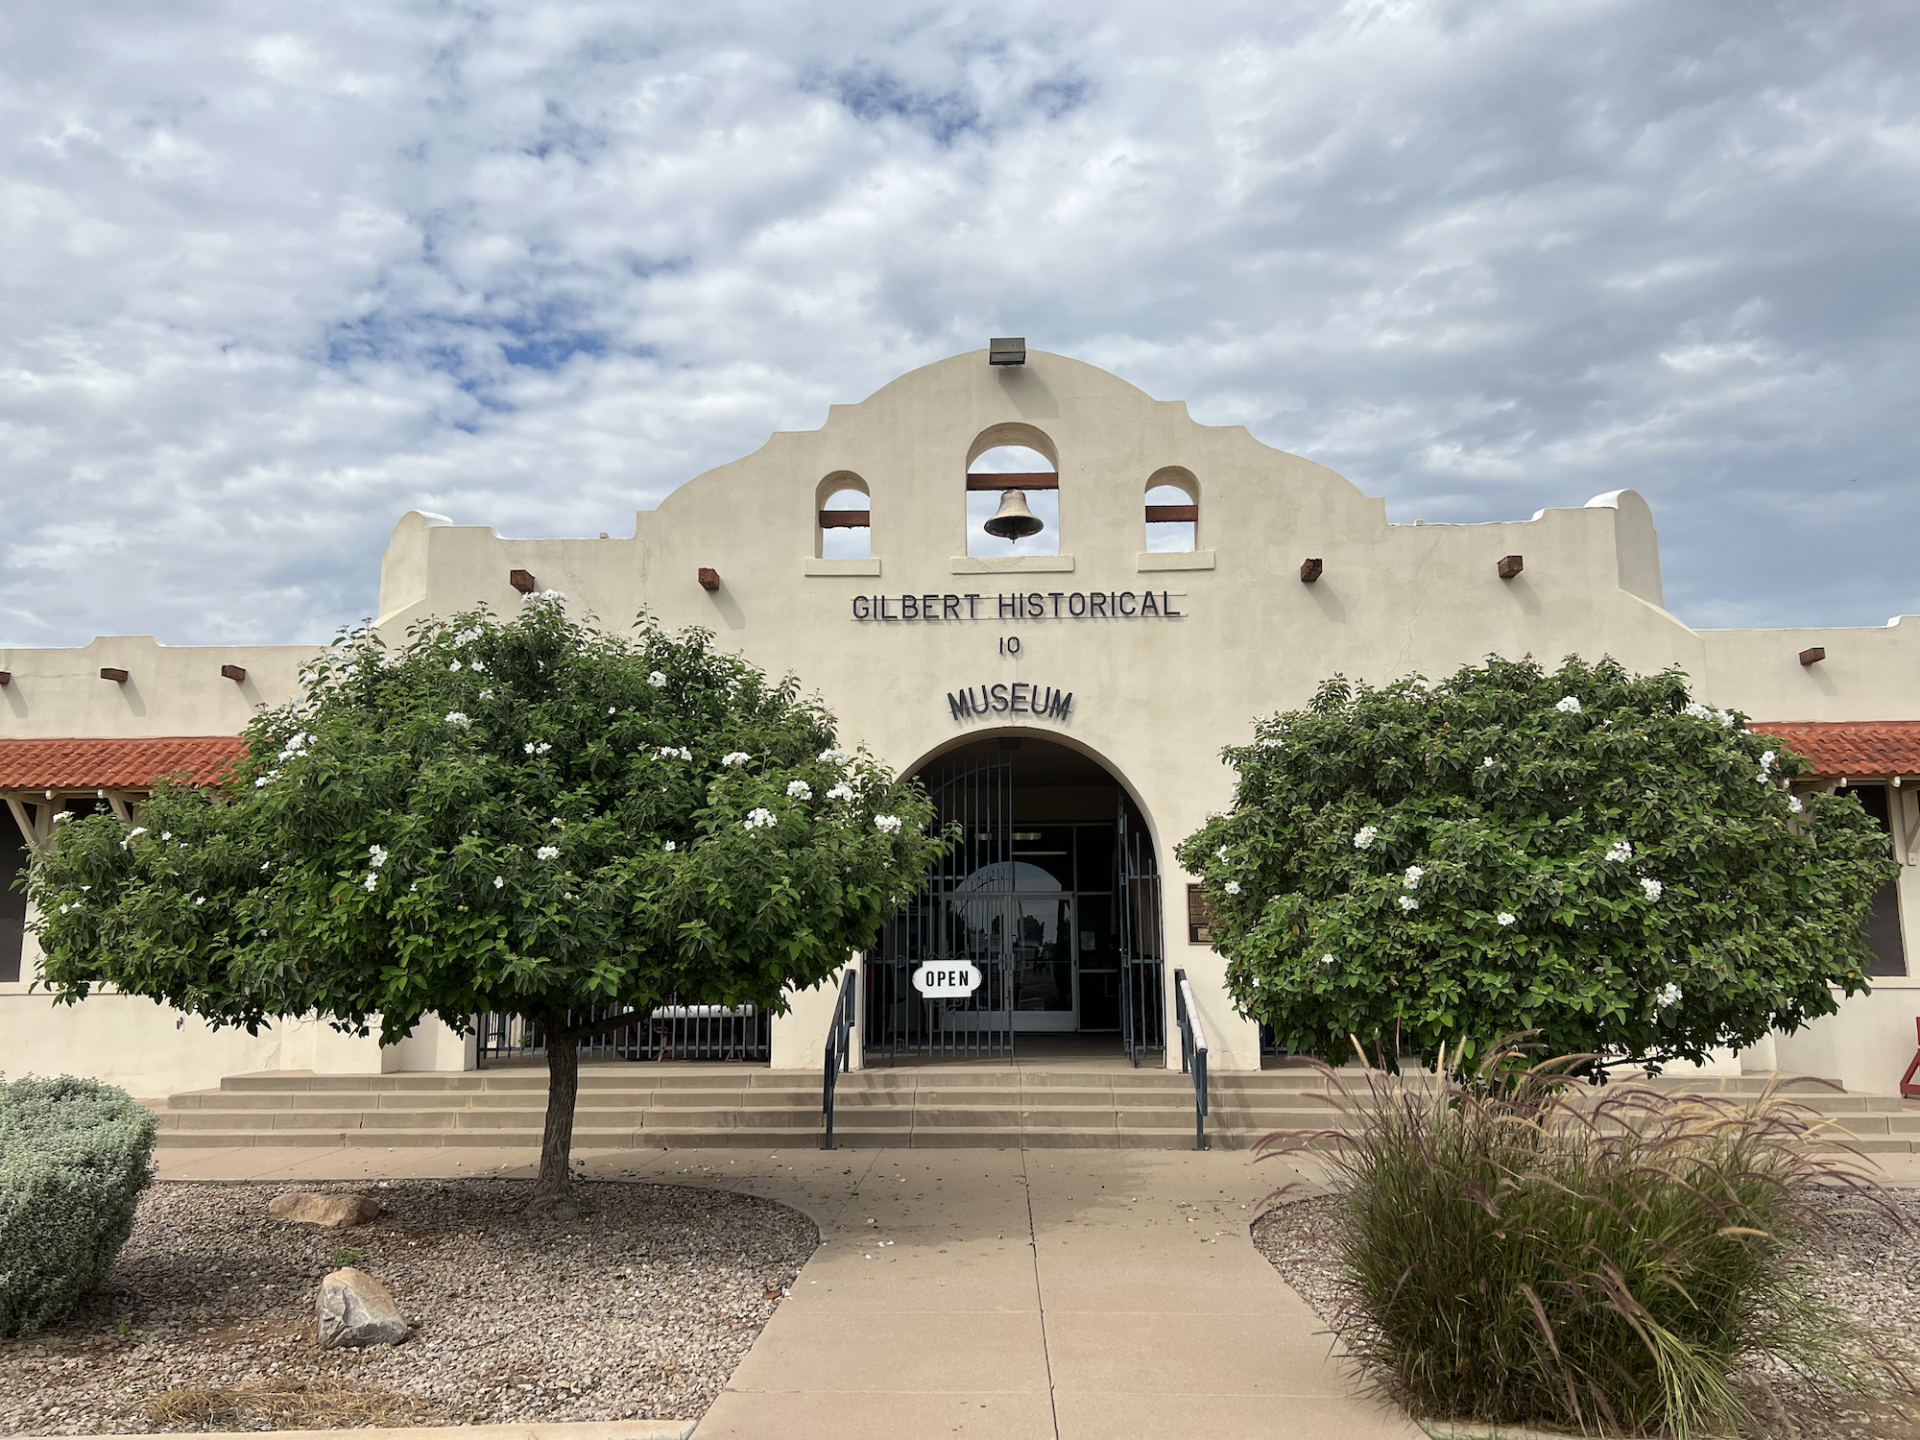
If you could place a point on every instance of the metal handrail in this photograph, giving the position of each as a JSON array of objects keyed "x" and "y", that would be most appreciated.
[
  {"x": 1193, "y": 1053},
  {"x": 839, "y": 1054}
]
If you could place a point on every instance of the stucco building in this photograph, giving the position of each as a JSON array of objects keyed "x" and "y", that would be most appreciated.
[{"x": 1067, "y": 696}]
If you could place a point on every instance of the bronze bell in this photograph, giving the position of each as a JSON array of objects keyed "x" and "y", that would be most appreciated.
[{"x": 1013, "y": 519}]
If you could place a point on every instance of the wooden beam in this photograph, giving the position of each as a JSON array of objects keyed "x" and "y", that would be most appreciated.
[
  {"x": 1030, "y": 480},
  {"x": 235, "y": 673},
  {"x": 121, "y": 804},
  {"x": 1309, "y": 571},
  {"x": 709, "y": 578},
  {"x": 1172, "y": 514},
  {"x": 523, "y": 581},
  {"x": 6, "y": 677},
  {"x": 846, "y": 519},
  {"x": 1813, "y": 655},
  {"x": 113, "y": 673},
  {"x": 26, "y": 825},
  {"x": 1510, "y": 566}
]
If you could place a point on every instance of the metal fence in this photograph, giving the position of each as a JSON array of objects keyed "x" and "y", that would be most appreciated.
[
  {"x": 966, "y": 911},
  {"x": 672, "y": 1031}
]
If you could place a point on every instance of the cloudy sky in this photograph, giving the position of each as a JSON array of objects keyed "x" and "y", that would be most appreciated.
[{"x": 274, "y": 274}]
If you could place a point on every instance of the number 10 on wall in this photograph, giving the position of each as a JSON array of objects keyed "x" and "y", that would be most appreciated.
[{"x": 1009, "y": 644}]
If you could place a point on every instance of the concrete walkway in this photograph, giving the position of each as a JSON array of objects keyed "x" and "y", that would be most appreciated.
[{"x": 1004, "y": 1293}]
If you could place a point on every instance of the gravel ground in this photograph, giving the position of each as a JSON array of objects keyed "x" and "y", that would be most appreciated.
[
  {"x": 1869, "y": 1268},
  {"x": 638, "y": 1310}
]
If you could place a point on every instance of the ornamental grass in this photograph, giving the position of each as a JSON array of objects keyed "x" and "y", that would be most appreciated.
[{"x": 1519, "y": 1249}]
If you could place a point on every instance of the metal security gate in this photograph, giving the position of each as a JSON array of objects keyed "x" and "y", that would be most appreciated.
[
  {"x": 672, "y": 1031},
  {"x": 966, "y": 911},
  {"x": 1142, "y": 941}
]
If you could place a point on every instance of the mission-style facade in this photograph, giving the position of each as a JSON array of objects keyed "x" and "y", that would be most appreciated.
[{"x": 1065, "y": 691}]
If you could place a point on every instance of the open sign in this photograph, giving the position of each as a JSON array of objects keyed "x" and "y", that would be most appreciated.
[{"x": 946, "y": 979}]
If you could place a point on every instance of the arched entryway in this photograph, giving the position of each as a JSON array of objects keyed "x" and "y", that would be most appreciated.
[{"x": 1051, "y": 895}]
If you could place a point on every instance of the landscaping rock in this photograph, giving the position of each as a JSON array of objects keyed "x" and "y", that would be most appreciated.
[
  {"x": 336, "y": 1212},
  {"x": 356, "y": 1309}
]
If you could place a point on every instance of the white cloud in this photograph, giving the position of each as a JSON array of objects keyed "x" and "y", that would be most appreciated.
[{"x": 279, "y": 274}]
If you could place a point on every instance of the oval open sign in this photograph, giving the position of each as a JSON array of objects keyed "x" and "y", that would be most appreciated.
[{"x": 946, "y": 979}]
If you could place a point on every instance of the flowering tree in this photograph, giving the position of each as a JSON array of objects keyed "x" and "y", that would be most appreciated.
[
  {"x": 531, "y": 817},
  {"x": 1590, "y": 855}
]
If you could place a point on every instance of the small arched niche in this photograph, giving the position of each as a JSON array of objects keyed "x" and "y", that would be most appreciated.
[
  {"x": 1173, "y": 511},
  {"x": 1013, "y": 457},
  {"x": 843, "y": 518}
]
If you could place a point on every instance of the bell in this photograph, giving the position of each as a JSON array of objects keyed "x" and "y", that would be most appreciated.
[{"x": 1013, "y": 519}]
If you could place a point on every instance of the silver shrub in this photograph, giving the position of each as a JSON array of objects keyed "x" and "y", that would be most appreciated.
[{"x": 74, "y": 1157}]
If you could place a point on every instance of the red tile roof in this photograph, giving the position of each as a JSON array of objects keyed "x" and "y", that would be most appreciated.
[
  {"x": 114, "y": 764},
  {"x": 1840, "y": 748}
]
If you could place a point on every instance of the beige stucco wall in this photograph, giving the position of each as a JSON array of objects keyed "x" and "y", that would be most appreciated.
[{"x": 1154, "y": 699}]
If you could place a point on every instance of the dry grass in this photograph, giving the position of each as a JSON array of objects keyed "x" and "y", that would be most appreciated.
[{"x": 288, "y": 1404}]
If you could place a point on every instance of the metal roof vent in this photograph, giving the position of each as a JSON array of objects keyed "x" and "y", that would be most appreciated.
[{"x": 1007, "y": 350}]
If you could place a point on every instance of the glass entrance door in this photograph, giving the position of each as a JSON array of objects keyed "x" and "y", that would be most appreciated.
[{"x": 1040, "y": 953}]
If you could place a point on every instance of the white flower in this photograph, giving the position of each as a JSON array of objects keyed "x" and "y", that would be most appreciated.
[
  {"x": 886, "y": 824},
  {"x": 1221, "y": 852},
  {"x": 499, "y": 882},
  {"x": 671, "y": 847},
  {"x": 388, "y": 659},
  {"x": 1412, "y": 878},
  {"x": 1698, "y": 711},
  {"x": 1766, "y": 760},
  {"x": 1619, "y": 852},
  {"x": 1727, "y": 720},
  {"x": 613, "y": 709},
  {"x": 557, "y": 823},
  {"x": 199, "y": 899},
  {"x": 1569, "y": 705},
  {"x": 1232, "y": 887},
  {"x": 1793, "y": 804},
  {"x": 377, "y": 856},
  {"x": 528, "y": 747},
  {"x": 831, "y": 756},
  {"x": 1327, "y": 959},
  {"x": 1486, "y": 762},
  {"x": 371, "y": 881},
  {"x": 487, "y": 694},
  {"x": 467, "y": 636},
  {"x": 840, "y": 792},
  {"x": 454, "y": 666},
  {"x": 542, "y": 748},
  {"x": 63, "y": 909},
  {"x": 260, "y": 782},
  {"x": 1764, "y": 778},
  {"x": 136, "y": 832},
  {"x": 455, "y": 718},
  {"x": 266, "y": 865},
  {"x": 62, "y": 817},
  {"x": 166, "y": 834},
  {"x": 799, "y": 790},
  {"x": 759, "y": 818},
  {"x": 735, "y": 757},
  {"x": 1506, "y": 917},
  {"x": 1363, "y": 837},
  {"x": 1653, "y": 888},
  {"x": 547, "y": 852},
  {"x": 1409, "y": 904},
  {"x": 1669, "y": 995},
  {"x": 657, "y": 679},
  {"x": 478, "y": 667}
]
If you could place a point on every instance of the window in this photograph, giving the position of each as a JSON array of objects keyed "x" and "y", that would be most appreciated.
[
  {"x": 843, "y": 527},
  {"x": 1883, "y": 921},
  {"x": 1003, "y": 460},
  {"x": 13, "y": 903},
  {"x": 1173, "y": 511}
]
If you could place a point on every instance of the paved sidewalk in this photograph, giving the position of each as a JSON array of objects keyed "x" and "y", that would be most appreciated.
[{"x": 1005, "y": 1293}]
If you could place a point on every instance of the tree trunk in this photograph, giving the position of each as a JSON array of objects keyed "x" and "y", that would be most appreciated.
[{"x": 553, "y": 1189}]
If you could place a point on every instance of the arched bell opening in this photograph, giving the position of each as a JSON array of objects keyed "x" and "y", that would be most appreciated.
[
  {"x": 1049, "y": 904},
  {"x": 1013, "y": 493}
]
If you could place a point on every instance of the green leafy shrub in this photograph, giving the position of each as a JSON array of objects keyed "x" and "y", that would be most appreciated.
[
  {"x": 1588, "y": 854},
  {"x": 1524, "y": 1251},
  {"x": 74, "y": 1157}
]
